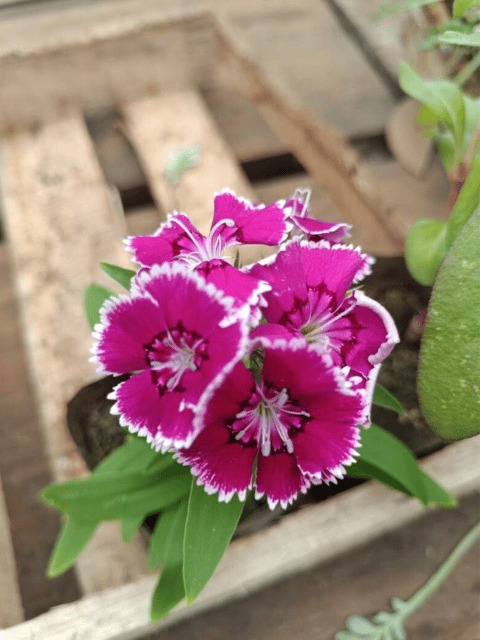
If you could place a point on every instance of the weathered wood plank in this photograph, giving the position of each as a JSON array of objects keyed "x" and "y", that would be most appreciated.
[
  {"x": 322, "y": 150},
  {"x": 301, "y": 45},
  {"x": 60, "y": 223},
  {"x": 126, "y": 59},
  {"x": 11, "y": 610},
  {"x": 159, "y": 125},
  {"x": 381, "y": 39},
  {"x": 298, "y": 542},
  {"x": 409, "y": 198}
]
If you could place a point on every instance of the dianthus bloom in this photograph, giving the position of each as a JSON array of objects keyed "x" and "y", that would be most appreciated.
[
  {"x": 309, "y": 297},
  {"x": 276, "y": 407},
  {"x": 298, "y": 214},
  {"x": 180, "y": 337},
  {"x": 299, "y": 423},
  {"x": 236, "y": 221}
]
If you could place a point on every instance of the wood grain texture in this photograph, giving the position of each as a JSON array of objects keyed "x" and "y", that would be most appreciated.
[
  {"x": 60, "y": 222},
  {"x": 157, "y": 126},
  {"x": 298, "y": 542},
  {"x": 383, "y": 38},
  {"x": 321, "y": 149},
  {"x": 11, "y": 610},
  {"x": 124, "y": 60},
  {"x": 307, "y": 48}
]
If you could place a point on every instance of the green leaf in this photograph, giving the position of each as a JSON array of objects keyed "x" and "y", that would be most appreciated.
[
  {"x": 166, "y": 544},
  {"x": 425, "y": 249},
  {"x": 436, "y": 494},
  {"x": 135, "y": 455},
  {"x": 390, "y": 10},
  {"x": 113, "y": 496},
  {"x": 210, "y": 526},
  {"x": 94, "y": 297},
  {"x": 71, "y": 541},
  {"x": 180, "y": 160},
  {"x": 130, "y": 526},
  {"x": 460, "y": 39},
  {"x": 449, "y": 365},
  {"x": 360, "y": 625},
  {"x": 461, "y": 6},
  {"x": 442, "y": 97},
  {"x": 168, "y": 592},
  {"x": 383, "y": 451},
  {"x": 119, "y": 274},
  {"x": 383, "y": 398},
  {"x": 467, "y": 202}
]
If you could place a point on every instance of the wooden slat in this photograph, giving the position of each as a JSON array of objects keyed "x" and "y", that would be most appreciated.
[
  {"x": 307, "y": 48},
  {"x": 11, "y": 610},
  {"x": 60, "y": 222},
  {"x": 298, "y": 542},
  {"x": 409, "y": 198},
  {"x": 127, "y": 59},
  {"x": 159, "y": 125},
  {"x": 382, "y": 39},
  {"x": 322, "y": 150}
]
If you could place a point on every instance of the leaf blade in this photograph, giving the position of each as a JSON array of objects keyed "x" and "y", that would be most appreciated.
[
  {"x": 71, "y": 541},
  {"x": 166, "y": 544},
  {"x": 382, "y": 450},
  {"x": 209, "y": 528},
  {"x": 383, "y": 398},
  {"x": 119, "y": 274},
  {"x": 93, "y": 298},
  {"x": 168, "y": 592}
]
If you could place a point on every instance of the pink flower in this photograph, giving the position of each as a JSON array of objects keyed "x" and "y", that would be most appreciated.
[
  {"x": 181, "y": 338},
  {"x": 298, "y": 213},
  {"x": 298, "y": 423},
  {"x": 310, "y": 283},
  {"x": 236, "y": 221}
]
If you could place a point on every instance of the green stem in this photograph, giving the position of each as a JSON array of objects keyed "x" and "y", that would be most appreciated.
[
  {"x": 441, "y": 574},
  {"x": 467, "y": 70}
]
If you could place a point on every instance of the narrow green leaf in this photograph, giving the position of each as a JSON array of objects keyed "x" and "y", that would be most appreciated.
[
  {"x": 449, "y": 369},
  {"x": 132, "y": 456},
  {"x": 443, "y": 98},
  {"x": 436, "y": 494},
  {"x": 168, "y": 592},
  {"x": 467, "y": 202},
  {"x": 166, "y": 544},
  {"x": 210, "y": 526},
  {"x": 119, "y": 274},
  {"x": 383, "y": 398},
  {"x": 116, "y": 498},
  {"x": 460, "y": 39},
  {"x": 425, "y": 249},
  {"x": 361, "y": 469},
  {"x": 390, "y": 10},
  {"x": 383, "y": 451},
  {"x": 94, "y": 297},
  {"x": 71, "y": 541},
  {"x": 461, "y": 6},
  {"x": 130, "y": 526}
]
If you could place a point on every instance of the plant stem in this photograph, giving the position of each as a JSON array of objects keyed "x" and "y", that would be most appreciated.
[
  {"x": 441, "y": 574},
  {"x": 467, "y": 70}
]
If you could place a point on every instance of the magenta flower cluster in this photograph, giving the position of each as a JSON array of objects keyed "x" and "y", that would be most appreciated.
[{"x": 258, "y": 376}]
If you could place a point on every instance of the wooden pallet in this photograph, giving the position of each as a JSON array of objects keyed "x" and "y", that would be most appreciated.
[{"x": 61, "y": 218}]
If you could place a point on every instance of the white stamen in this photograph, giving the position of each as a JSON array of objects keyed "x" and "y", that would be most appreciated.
[{"x": 298, "y": 195}]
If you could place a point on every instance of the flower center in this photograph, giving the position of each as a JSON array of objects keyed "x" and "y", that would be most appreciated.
[
  {"x": 173, "y": 353},
  {"x": 209, "y": 248},
  {"x": 271, "y": 421}
]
